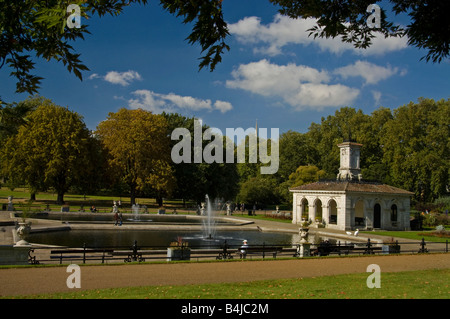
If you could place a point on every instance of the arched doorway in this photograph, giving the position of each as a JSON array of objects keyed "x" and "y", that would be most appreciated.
[
  {"x": 318, "y": 210},
  {"x": 377, "y": 216},
  {"x": 359, "y": 213},
  {"x": 304, "y": 209},
  {"x": 333, "y": 212}
]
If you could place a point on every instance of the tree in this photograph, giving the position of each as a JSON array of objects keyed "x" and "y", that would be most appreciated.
[
  {"x": 14, "y": 115},
  {"x": 304, "y": 174},
  {"x": 294, "y": 151},
  {"x": 138, "y": 151},
  {"x": 258, "y": 191},
  {"x": 347, "y": 123},
  {"x": 417, "y": 147},
  {"x": 218, "y": 180},
  {"x": 372, "y": 165},
  {"x": 52, "y": 151},
  {"x": 428, "y": 29},
  {"x": 40, "y": 27}
]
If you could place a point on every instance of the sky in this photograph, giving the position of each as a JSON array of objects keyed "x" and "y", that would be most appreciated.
[{"x": 274, "y": 73}]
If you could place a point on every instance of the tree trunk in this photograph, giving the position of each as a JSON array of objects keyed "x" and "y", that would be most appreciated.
[
  {"x": 60, "y": 199},
  {"x": 33, "y": 196},
  {"x": 159, "y": 200},
  {"x": 133, "y": 194}
]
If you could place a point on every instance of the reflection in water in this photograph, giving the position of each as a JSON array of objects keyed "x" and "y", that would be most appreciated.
[{"x": 161, "y": 239}]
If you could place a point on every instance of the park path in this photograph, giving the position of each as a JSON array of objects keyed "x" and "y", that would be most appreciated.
[{"x": 39, "y": 280}]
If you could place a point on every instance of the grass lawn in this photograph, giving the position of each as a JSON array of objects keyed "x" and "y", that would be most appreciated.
[
  {"x": 431, "y": 284},
  {"x": 414, "y": 235},
  {"x": 102, "y": 203}
]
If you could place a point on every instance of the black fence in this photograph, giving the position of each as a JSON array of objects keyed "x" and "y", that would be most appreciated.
[{"x": 136, "y": 253}]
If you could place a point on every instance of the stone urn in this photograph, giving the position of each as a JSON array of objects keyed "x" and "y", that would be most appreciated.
[
  {"x": 22, "y": 232},
  {"x": 304, "y": 246},
  {"x": 303, "y": 232}
]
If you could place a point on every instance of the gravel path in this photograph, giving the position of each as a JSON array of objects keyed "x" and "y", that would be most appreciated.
[{"x": 27, "y": 281}]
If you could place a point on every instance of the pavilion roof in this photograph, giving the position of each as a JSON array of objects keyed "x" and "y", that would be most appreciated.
[{"x": 351, "y": 186}]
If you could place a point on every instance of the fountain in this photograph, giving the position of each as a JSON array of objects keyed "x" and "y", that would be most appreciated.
[
  {"x": 209, "y": 223},
  {"x": 135, "y": 212}
]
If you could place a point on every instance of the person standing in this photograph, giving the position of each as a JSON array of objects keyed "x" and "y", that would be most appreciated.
[{"x": 244, "y": 249}]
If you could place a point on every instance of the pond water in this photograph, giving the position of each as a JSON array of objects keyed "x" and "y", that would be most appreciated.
[
  {"x": 159, "y": 239},
  {"x": 141, "y": 218}
]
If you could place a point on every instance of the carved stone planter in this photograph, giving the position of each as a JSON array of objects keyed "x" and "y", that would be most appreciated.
[
  {"x": 303, "y": 232},
  {"x": 22, "y": 232}
]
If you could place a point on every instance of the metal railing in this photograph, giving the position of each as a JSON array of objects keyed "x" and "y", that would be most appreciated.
[{"x": 225, "y": 251}]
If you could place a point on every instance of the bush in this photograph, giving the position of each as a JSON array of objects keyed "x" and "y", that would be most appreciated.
[
  {"x": 443, "y": 219},
  {"x": 442, "y": 204}
]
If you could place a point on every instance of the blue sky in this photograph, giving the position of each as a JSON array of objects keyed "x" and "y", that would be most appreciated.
[{"x": 274, "y": 73}]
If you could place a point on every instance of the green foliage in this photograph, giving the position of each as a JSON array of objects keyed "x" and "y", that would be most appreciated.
[
  {"x": 295, "y": 150},
  {"x": 257, "y": 190},
  {"x": 416, "y": 147},
  {"x": 210, "y": 30},
  {"x": 348, "y": 20},
  {"x": 138, "y": 151},
  {"x": 443, "y": 204},
  {"x": 13, "y": 115},
  {"x": 47, "y": 146},
  {"x": 39, "y": 27},
  {"x": 215, "y": 179},
  {"x": 51, "y": 151}
]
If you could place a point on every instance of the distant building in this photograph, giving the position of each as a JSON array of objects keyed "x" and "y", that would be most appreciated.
[{"x": 349, "y": 202}]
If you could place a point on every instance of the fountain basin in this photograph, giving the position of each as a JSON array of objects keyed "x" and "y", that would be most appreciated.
[{"x": 158, "y": 239}]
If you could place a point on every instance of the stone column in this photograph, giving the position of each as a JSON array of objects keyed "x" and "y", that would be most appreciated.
[
  {"x": 304, "y": 250},
  {"x": 326, "y": 214},
  {"x": 312, "y": 212},
  {"x": 295, "y": 209}
]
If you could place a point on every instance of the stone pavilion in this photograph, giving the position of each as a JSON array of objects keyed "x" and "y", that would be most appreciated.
[{"x": 349, "y": 202}]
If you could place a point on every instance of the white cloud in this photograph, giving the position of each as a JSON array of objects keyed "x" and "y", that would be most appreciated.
[
  {"x": 323, "y": 95},
  {"x": 377, "y": 97},
  {"x": 122, "y": 78},
  {"x": 171, "y": 102},
  {"x": 299, "y": 86},
  {"x": 284, "y": 30},
  {"x": 370, "y": 72},
  {"x": 223, "y": 106},
  {"x": 94, "y": 76}
]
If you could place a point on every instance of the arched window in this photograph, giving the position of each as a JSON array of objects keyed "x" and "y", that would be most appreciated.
[{"x": 394, "y": 213}]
